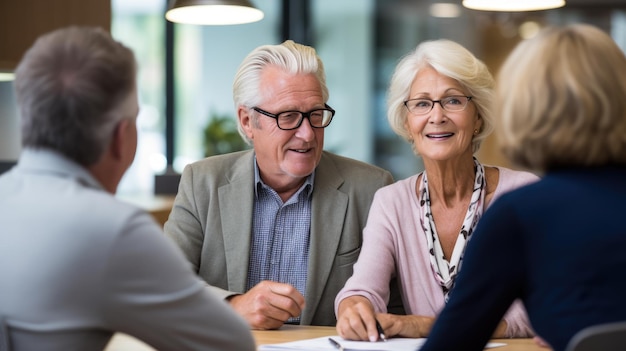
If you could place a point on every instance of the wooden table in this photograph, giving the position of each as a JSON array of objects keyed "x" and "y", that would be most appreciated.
[
  {"x": 297, "y": 332},
  {"x": 159, "y": 206},
  {"x": 123, "y": 342}
]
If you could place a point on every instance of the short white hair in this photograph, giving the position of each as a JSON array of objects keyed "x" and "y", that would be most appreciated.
[
  {"x": 449, "y": 59},
  {"x": 289, "y": 56}
]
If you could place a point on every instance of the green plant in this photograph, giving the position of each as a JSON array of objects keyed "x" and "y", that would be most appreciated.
[{"x": 221, "y": 136}]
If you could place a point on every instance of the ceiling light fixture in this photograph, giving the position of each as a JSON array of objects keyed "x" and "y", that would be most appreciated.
[
  {"x": 213, "y": 12},
  {"x": 529, "y": 29},
  {"x": 6, "y": 76},
  {"x": 513, "y": 6},
  {"x": 445, "y": 10}
]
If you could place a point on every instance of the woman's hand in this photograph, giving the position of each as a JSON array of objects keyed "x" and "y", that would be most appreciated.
[
  {"x": 412, "y": 326},
  {"x": 539, "y": 341},
  {"x": 405, "y": 326},
  {"x": 357, "y": 321}
]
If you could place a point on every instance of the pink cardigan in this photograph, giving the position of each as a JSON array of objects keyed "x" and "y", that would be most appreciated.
[{"x": 394, "y": 244}]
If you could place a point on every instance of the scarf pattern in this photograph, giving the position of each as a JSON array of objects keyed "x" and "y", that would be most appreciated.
[{"x": 445, "y": 271}]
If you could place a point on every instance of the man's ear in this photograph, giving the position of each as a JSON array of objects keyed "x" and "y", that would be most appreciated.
[
  {"x": 245, "y": 120},
  {"x": 109, "y": 169},
  {"x": 118, "y": 139}
]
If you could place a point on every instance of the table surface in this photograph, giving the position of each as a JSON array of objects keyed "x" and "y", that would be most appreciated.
[
  {"x": 297, "y": 332},
  {"x": 159, "y": 206},
  {"x": 122, "y": 342}
]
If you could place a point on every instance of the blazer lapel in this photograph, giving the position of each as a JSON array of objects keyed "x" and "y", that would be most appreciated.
[
  {"x": 236, "y": 206},
  {"x": 327, "y": 217}
]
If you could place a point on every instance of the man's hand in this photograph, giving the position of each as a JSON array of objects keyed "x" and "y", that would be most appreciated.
[{"x": 269, "y": 304}]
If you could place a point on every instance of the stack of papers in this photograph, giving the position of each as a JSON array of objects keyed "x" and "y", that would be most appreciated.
[{"x": 324, "y": 343}]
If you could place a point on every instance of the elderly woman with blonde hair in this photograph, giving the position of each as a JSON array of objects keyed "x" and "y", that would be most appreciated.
[
  {"x": 419, "y": 227},
  {"x": 557, "y": 244}
]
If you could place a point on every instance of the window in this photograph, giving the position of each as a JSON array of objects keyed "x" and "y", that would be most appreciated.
[
  {"x": 140, "y": 25},
  {"x": 360, "y": 42}
]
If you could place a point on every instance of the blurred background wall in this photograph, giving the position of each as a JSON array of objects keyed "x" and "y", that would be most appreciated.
[{"x": 360, "y": 42}]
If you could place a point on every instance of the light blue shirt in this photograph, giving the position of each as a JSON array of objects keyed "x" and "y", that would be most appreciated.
[
  {"x": 280, "y": 242},
  {"x": 77, "y": 265}
]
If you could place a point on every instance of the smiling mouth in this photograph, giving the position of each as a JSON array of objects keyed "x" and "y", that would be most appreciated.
[
  {"x": 439, "y": 136},
  {"x": 301, "y": 151}
]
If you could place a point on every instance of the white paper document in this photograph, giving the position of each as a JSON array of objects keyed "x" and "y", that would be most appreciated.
[{"x": 324, "y": 343}]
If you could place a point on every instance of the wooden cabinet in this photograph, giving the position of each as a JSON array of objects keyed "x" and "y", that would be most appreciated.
[{"x": 22, "y": 21}]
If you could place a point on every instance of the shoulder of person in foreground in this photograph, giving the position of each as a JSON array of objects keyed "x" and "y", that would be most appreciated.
[{"x": 152, "y": 294}]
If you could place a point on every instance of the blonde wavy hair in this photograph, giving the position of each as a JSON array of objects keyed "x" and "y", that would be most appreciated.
[{"x": 562, "y": 100}]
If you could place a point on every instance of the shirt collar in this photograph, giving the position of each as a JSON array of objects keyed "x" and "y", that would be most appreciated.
[
  {"x": 53, "y": 162},
  {"x": 310, "y": 180}
]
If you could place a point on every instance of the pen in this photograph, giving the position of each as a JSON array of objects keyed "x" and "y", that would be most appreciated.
[
  {"x": 336, "y": 344},
  {"x": 381, "y": 332}
]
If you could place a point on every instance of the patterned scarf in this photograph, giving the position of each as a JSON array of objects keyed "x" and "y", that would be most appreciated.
[{"x": 445, "y": 272}]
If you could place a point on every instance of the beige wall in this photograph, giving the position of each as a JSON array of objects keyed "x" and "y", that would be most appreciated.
[
  {"x": 22, "y": 21},
  {"x": 495, "y": 48}
]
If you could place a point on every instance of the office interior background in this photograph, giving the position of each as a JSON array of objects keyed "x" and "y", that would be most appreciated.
[{"x": 360, "y": 42}]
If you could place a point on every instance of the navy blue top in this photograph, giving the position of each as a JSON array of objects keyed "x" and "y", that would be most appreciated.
[{"x": 559, "y": 245}]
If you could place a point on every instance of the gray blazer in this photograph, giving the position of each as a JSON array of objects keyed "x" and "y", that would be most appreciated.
[{"x": 211, "y": 221}]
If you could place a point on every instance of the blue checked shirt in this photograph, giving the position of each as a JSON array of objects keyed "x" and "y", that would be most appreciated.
[{"x": 280, "y": 236}]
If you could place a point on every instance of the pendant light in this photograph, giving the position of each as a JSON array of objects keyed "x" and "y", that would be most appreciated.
[
  {"x": 213, "y": 12},
  {"x": 513, "y": 5},
  {"x": 6, "y": 76}
]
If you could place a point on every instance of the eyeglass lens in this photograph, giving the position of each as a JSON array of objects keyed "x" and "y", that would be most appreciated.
[
  {"x": 293, "y": 119},
  {"x": 450, "y": 103}
]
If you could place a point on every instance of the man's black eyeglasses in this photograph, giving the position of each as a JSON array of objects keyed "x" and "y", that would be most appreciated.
[{"x": 288, "y": 120}]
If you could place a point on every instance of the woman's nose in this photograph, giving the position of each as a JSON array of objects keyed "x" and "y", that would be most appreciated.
[{"x": 437, "y": 114}]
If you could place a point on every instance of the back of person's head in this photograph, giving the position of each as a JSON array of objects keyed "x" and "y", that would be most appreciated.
[
  {"x": 66, "y": 85},
  {"x": 562, "y": 99},
  {"x": 451, "y": 60},
  {"x": 289, "y": 56}
]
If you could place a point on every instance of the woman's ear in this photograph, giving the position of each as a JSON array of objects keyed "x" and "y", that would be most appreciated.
[{"x": 479, "y": 123}]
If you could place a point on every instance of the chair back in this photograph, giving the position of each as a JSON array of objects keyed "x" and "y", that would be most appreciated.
[
  {"x": 6, "y": 165},
  {"x": 4, "y": 335},
  {"x": 602, "y": 337}
]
